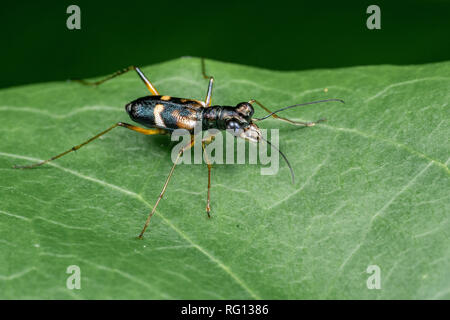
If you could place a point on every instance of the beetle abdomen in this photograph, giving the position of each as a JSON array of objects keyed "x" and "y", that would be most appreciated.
[{"x": 165, "y": 112}]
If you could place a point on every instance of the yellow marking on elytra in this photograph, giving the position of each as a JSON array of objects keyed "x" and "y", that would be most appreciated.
[
  {"x": 157, "y": 113},
  {"x": 201, "y": 102},
  {"x": 184, "y": 122},
  {"x": 166, "y": 98}
]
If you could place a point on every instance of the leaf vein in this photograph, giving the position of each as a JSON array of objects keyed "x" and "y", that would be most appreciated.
[
  {"x": 398, "y": 84},
  {"x": 166, "y": 220}
]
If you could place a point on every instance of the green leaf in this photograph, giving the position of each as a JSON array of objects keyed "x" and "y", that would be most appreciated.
[{"x": 372, "y": 188}]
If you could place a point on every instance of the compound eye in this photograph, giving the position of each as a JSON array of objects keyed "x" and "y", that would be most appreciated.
[
  {"x": 245, "y": 109},
  {"x": 233, "y": 125},
  {"x": 128, "y": 107}
]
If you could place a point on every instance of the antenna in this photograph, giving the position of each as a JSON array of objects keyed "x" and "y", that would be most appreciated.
[{"x": 297, "y": 105}]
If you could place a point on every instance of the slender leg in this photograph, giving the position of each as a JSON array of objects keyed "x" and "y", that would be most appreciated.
[
  {"x": 147, "y": 82},
  {"x": 209, "y": 139},
  {"x": 205, "y": 142},
  {"x": 119, "y": 124},
  {"x": 204, "y": 69},
  {"x": 209, "y": 92},
  {"x": 208, "y": 207},
  {"x": 210, "y": 85},
  {"x": 165, "y": 186},
  {"x": 297, "y": 123}
]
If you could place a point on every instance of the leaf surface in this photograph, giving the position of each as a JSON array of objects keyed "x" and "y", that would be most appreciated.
[{"x": 372, "y": 188}]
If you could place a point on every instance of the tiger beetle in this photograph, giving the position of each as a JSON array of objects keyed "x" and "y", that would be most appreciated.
[{"x": 162, "y": 114}]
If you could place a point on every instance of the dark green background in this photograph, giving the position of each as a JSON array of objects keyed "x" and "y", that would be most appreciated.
[{"x": 37, "y": 46}]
